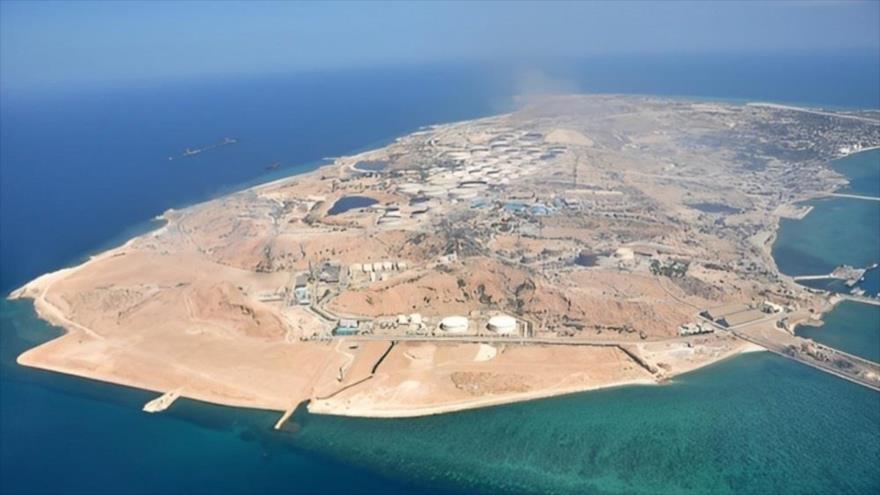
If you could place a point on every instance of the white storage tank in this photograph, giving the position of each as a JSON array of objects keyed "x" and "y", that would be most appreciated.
[
  {"x": 502, "y": 324},
  {"x": 454, "y": 324}
]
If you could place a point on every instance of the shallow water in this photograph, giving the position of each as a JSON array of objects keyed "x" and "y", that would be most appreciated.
[
  {"x": 728, "y": 428},
  {"x": 63, "y": 434},
  {"x": 754, "y": 424}
]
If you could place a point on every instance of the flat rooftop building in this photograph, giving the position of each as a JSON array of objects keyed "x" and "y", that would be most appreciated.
[
  {"x": 716, "y": 314},
  {"x": 330, "y": 273},
  {"x": 303, "y": 296},
  {"x": 741, "y": 317},
  {"x": 346, "y": 327}
]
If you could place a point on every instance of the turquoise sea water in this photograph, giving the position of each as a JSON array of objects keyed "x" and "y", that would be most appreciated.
[
  {"x": 85, "y": 169},
  {"x": 754, "y": 424},
  {"x": 63, "y": 434}
]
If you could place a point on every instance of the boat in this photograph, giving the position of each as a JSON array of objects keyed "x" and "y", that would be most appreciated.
[{"x": 195, "y": 151}]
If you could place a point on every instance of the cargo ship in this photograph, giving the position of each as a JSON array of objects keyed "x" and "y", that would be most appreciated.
[{"x": 195, "y": 151}]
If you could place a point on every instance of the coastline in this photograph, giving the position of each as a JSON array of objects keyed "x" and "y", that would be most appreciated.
[
  {"x": 316, "y": 407},
  {"x": 37, "y": 289},
  {"x": 771, "y": 240},
  {"x": 46, "y": 311},
  {"x": 44, "y": 308}
]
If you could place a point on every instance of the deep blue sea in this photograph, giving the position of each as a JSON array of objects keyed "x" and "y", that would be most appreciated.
[{"x": 80, "y": 171}]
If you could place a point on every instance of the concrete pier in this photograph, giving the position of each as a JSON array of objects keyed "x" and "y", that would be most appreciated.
[
  {"x": 838, "y": 363},
  {"x": 862, "y": 299},
  {"x": 854, "y": 196},
  {"x": 813, "y": 277},
  {"x": 850, "y": 275},
  {"x": 162, "y": 402},
  {"x": 284, "y": 417}
]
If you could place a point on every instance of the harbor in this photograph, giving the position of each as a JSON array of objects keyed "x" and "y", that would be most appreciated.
[{"x": 766, "y": 333}]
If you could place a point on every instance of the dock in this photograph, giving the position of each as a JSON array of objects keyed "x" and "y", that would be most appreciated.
[
  {"x": 813, "y": 277},
  {"x": 284, "y": 417},
  {"x": 162, "y": 402},
  {"x": 806, "y": 351},
  {"x": 854, "y": 196},
  {"x": 862, "y": 299},
  {"x": 850, "y": 275}
]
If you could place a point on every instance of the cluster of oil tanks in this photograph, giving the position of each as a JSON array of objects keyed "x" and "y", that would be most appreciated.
[{"x": 499, "y": 324}]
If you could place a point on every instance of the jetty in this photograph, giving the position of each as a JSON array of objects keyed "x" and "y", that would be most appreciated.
[
  {"x": 862, "y": 299},
  {"x": 854, "y": 196},
  {"x": 806, "y": 351},
  {"x": 850, "y": 275},
  {"x": 162, "y": 402},
  {"x": 284, "y": 417}
]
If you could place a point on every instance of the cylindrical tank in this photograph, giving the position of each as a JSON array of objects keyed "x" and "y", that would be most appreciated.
[
  {"x": 502, "y": 324},
  {"x": 454, "y": 324}
]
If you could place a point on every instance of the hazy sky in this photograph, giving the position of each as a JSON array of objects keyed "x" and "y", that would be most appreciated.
[{"x": 82, "y": 43}]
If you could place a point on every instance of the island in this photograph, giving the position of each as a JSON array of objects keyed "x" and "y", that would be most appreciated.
[{"x": 580, "y": 242}]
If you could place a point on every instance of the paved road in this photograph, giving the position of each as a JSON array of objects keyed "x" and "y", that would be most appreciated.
[
  {"x": 495, "y": 339},
  {"x": 854, "y": 196},
  {"x": 862, "y": 299},
  {"x": 841, "y": 364}
]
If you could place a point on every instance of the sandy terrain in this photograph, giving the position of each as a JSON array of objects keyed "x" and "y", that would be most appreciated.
[
  {"x": 418, "y": 379},
  {"x": 584, "y": 218}
]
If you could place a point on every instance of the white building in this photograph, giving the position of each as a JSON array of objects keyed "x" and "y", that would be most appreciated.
[
  {"x": 454, "y": 324},
  {"x": 502, "y": 324}
]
